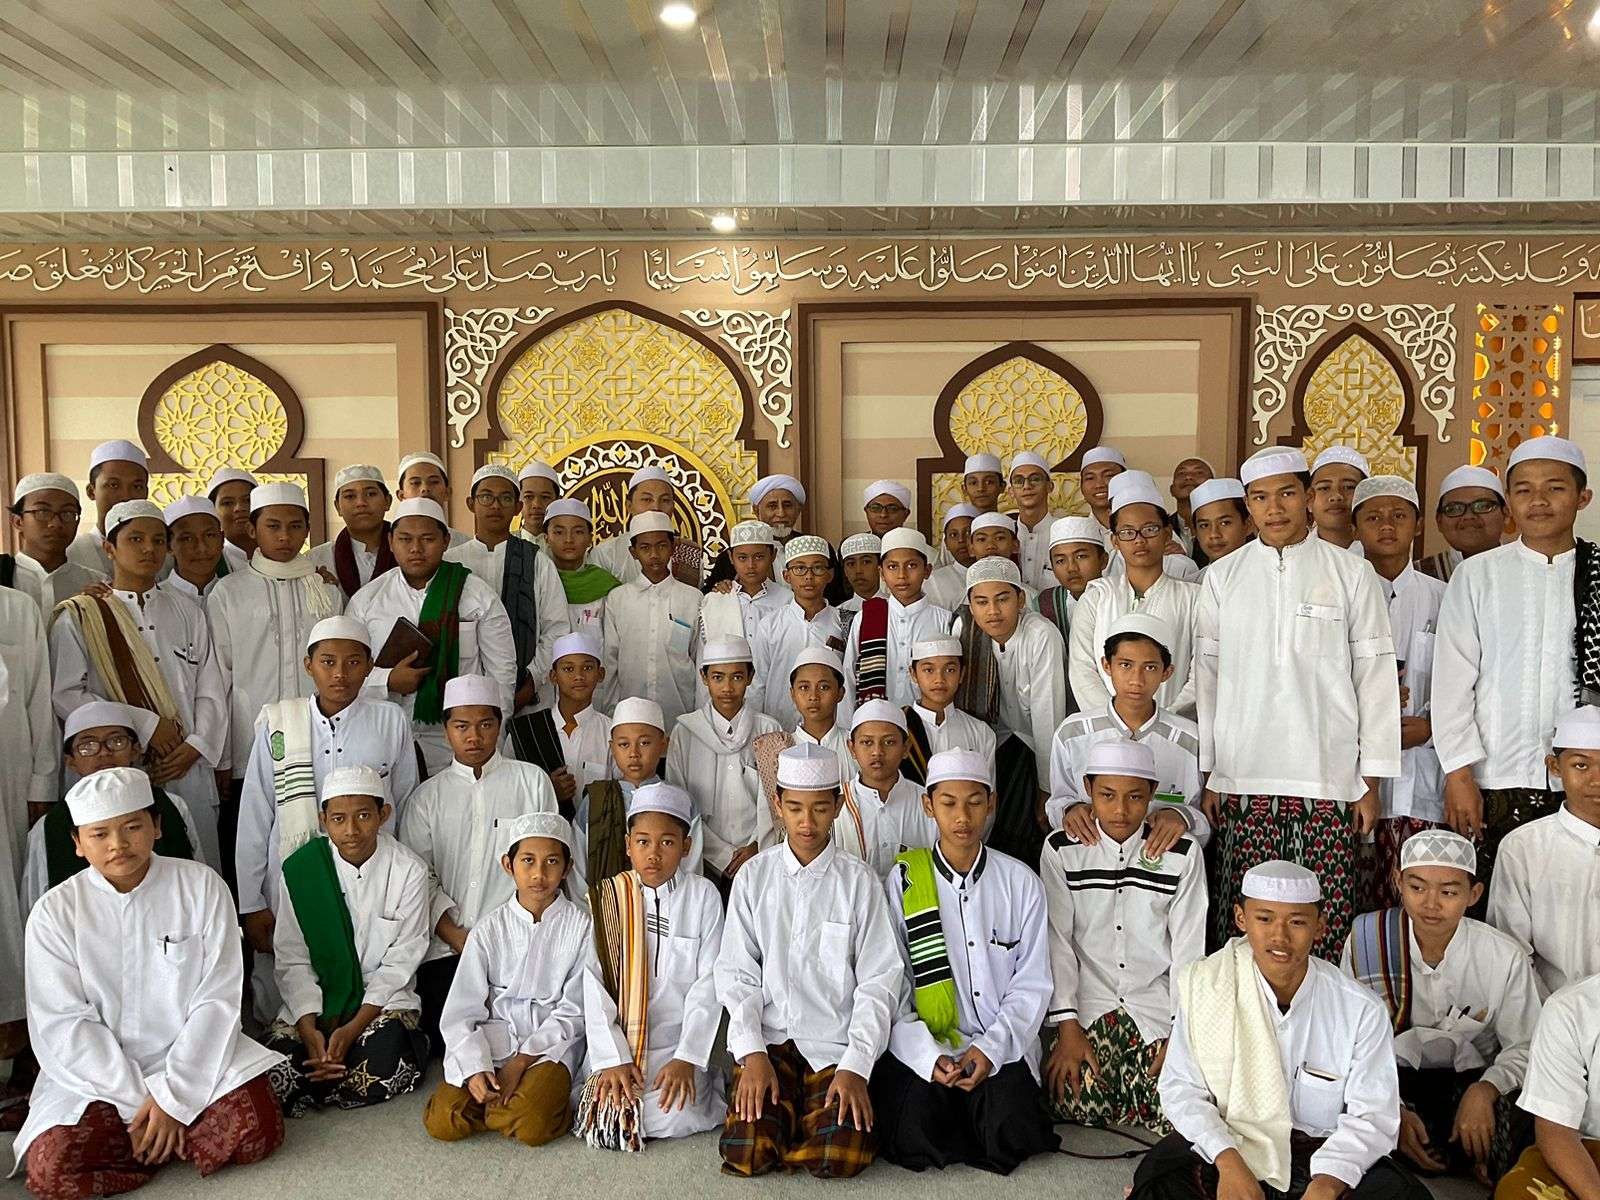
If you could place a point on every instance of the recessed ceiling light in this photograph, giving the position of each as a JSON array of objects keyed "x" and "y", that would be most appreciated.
[
  {"x": 677, "y": 15},
  {"x": 724, "y": 223}
]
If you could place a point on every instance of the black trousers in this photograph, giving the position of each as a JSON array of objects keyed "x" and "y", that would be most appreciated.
[
  {"x": 1173, "y": 1171},
  {"x": 228, "y": 835},
  {"x": 433, "y": 987},
  {"x": 995, "y": 1126},
  {"x": 1435, "y": 1094}
]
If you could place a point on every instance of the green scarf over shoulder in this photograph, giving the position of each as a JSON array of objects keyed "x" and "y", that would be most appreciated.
[{"x": 325, "y": 924}]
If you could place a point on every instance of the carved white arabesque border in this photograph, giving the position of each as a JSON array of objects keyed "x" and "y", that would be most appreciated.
[
  {"x": 1424, "y": 335},
  {"x": 761, "y": 342},
  {"x": 473, "y": 339}
]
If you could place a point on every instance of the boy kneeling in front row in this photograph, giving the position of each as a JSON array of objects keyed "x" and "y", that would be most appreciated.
[
  {"x": 134, "y": 978},
  {"x": 1280, "y": 1072},
  {"x": 961, "y": 1081}
]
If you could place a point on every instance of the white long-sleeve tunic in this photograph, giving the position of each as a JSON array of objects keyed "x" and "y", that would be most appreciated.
[
  {"x": 1033, "y": 688},
  {"x": 1545, "y": 892},
  {"x": 1414, "y": 599},
  {"x": 1107, "y": 600},
  {"x": 651, "y": 640},
  {"x": 909, "y": 624},
  {"x": 549, "y": 601},
  {"x": 777, "y": 637},
  {"x": 721, "y": 779}
]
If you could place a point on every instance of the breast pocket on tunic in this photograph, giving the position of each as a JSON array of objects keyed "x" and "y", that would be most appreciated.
[
  {"x": 1318, "y": 1098},
  {"x": 683, "y": 959},
  {"x": 1318, "y": 630},
  {"x": 179, "y": 959},
  {"x": 836, "y": 957},
  {"x": 468, "y": 634},
  {"x": 382, "y": 934},
  {"x": 1419, "y": 671}
]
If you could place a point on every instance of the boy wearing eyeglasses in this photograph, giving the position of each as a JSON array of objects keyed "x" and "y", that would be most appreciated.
[
  {"x": 1471, "y": 517},
  {"x": 45, "y": 512},
  {"x": 778, "y": 636}
]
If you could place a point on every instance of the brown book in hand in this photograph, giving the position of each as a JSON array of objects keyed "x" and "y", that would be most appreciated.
[{"x": 404, "y": 640}]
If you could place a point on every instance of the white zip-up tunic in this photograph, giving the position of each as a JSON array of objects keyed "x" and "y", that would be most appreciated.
[
  {"x": 1414, "y": 599},
  {"x": 724, "y": 783},
  {"x": 651, "y": 644},
  {"x": 1106, "y": 601},
  {"x": 920, "y": 621},
  {"x": 1545, "y": 892}
]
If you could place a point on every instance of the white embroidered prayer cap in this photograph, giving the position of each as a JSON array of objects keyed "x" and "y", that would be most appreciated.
[
  {"x": 994, "y": 569},
  {"x": 979, "y": 463},
  {"x": 1439, "y": 848},
  {"x": 1065, "y": 530},
  {"x": 132, "y": 510},
  {"x": 861, "y": 543},
  {"x": 809, "y": 768},
  {"x": 1558, "y": 449},
  {"x": 1213, "y": 490},
  {"x": 412, "y": 460},
  {"x": 580, "y": 642},
  {"x": 492, "y": 471},
  {"x": 817, "y": 656},
  {"x": 109, "y": 794},
  {"x": 358, "y": 473},
  {"x": 229, "y": 475},
  {"x": 1120, "y": 756},
  {"x": 806, "y": 545},
  {"x": 265, "y": 495},
  {"x": 471, "y": 689},
  {"x": 568, "y": 508},
  {"x": 650, "y": 522},
  {"x": 886, "y": 487},
  {"x": 539, "y": 470},
  {"x": 1465, "y": 477},
  {"x": 906, "y": 539},
  {"x": 1144, "y": 624},
  {"x": 944, "y": 647},
  {"x": 43, "y": 481},
  {"x": 118, "y": 450},
  {"x": 637, "y": 710},
  {"x": 967, "y": 766},
  {"x": 650, "y": 474},
  {"x": 768, "y": 484},
  {"x": 1345, "y": 456},
  {"x": 419, "y": 506},
  {"x": 354, "y": 781},
  {"x": 1134, "y": 487},
  {"x": 339, "y": 629},
  {"x": 1578, "y": 729},
  {"x": 751, "y": 533},
  {"x": 1274, "y": 460},
  {"x": 1280, "y": 882},
  {"x": 661, "y": 798},
  {"x": 537, "y": 825},
  {"x": 955, "y": 513},
  {"x": 1385, "y": 485},
  {"x": 189, "y": 506},
  {"x": 994, "y": 520},
  {"x": 878, "y": 710},
  {"x": 100, "y": 714},
  {"x": 1028, "y": 458},
  {"x": 725, "y": 650},
  {"x": 1103, "y": 454}
]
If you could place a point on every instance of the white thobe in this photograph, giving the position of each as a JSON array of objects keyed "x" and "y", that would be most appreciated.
[
  {"x": 651, "y": 644},
  {"x": 519, "y": 990},
  {"x": 1178, "y": 566},
  {"x": 615, "y": 555},
  {"x": 996, "y": 940},
  {"x": 734, "y": 613},
  {"x": 1295, "y": 682},
  {"x": 1106, "y": 601},
  {"x": 888, "y": 824},
  {"x": 179, "y": 638},
  {"x": 920, "y": 621},
  {"x": 365, "y": 733},
  {"x": 946, "y": 587},
  {"x": 809, "y": 955},
  {"x": 777, "y": 638},
  {"x": 366, "y": 560},
  {"x": 259, "y": 628},
  {"x": 67, "y": 580},
  {"x": 723, "y": 782},
  {"x": 1545, "y": 892},
  {"x": 387, "y": 899},
  {"x": 1121, "y": 926},
  {"x": 1033, "y": 551},
  {"x": 1502, "y": 665},
  {"x": 549, "y": 602},
  {"x": 1418, "y": 791},
  {"x": 1174, "y": 740},
  {"x": 953, "y": 729},
  {"x": 486, "y": 646},
  {"x": 1563, "y": 1078},
  {"x": 682, "y": 935},
  {"x": 587, "y": 749},
  {"x": 179, "y": 586},
  {"x": 1033, "y": 688},
  {"x": 457, "y": 823},
  {"x": 134, "y": 995},
  {"x": 1477, "y": 1008},
  {"x": 1338, "y": 1068}
]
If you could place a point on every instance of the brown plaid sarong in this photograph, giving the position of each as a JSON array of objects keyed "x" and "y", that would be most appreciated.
[{"x": 798, "y": 1133}]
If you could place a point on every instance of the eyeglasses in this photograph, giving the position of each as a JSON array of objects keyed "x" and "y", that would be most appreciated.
[
  {"x": 1145, "y": 532},
  {"x": 815, "y": 570},
  {"x": 91, "y": 747},
  {"x": 886, "y": 510},
  {"x": 1460, "y": 508},
  {"x": 496, "y": 500},
  {"x": 46, "y": 516}
]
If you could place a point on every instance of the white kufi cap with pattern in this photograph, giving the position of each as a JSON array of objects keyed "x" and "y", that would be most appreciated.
[
  {"x": 1280, "y": 882},
  {"x": 809, "y": 768},
  {"x": 1439, "y": 848}
]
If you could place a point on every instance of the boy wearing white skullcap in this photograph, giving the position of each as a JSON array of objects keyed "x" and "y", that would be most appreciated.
[
  {"x": 810, "y": 975},
  {"x": 933, "y": 721},
  {"x": 539, "y": 486},
  {"x": 199, "y": 558},
  {"x": 449, "y": 817},
  {"x": 747, "y": 589},
  {"x": 1146, "y": 508},
  {"x": 882, "y": 812},
  {"x": 948, "y": 582},
  {"x": 229, "y": 490},
  {"x": 423, "y": 476},
  {"x": 1334, "y": 475},
  {"x": 878, "y": 652},
  {"x": 513, "y": 1036},
  {"x": 568, "y": 536},
  {"x": 1125, "y": 915},
  {"x": 652, "y": 624},
  {"x": 1521, "y": 620},
  {"x": 1464, "y": 999},
  {"x": 141, "y": 1057},
  {"x": 1296, "y": 695},
  {"x": 982, "y": 482},
  {"x": 1470, "y": 516},
  {"x": 1077, "y": 558},
  {"x": 171, "y": 664},
  {"x": 360, "y": 552},
  {"x": 118, "y": 471},
  {"x": 779, "y": 635},
  {"x": 1221, "y": 519},
  {"x": 1097, "y": 468},
  {"x": 816, "y": 692},
  {"x": 650, "y": 490},
  {"x": 45, "y": 513},
  {"x": 350, "y": 1019},
  {"x": 858, "y": 559},
  {"x": 1280, "y": 1067},
  {"x": 887, "y": 505},
  {"x": 961, "y": 1081},
  {"x": 1029, "y": 485},
  {"x": 567, "y": 739},
  {"x": 661, "y": 925}
]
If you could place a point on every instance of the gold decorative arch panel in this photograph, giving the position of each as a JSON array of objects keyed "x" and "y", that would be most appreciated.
[
  {"x": 1015, "y": 397},
  {"x": 222, "y": 408},
  {"x": 1355, "y": 391},
  {"x": 610, "y": 388}
]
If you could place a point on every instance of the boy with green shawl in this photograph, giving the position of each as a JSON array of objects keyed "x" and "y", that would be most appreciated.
[
  {"x": 960, "y": 1083},
  {"x": 351, "y": 929},
  {"x": 568, "y": 535}
]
